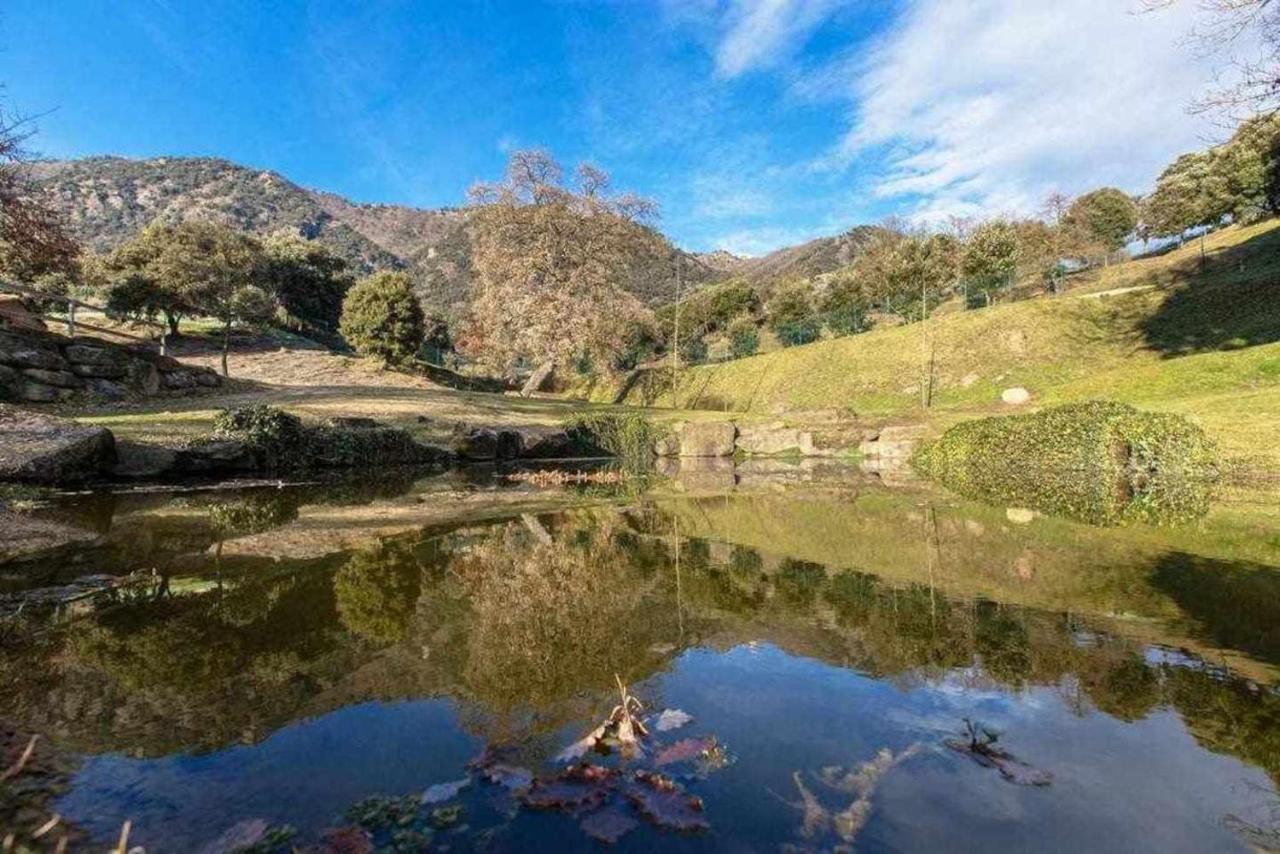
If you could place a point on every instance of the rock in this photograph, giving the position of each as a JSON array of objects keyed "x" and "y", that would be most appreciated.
[
  {"x": 144, "y": 377},
  {"x": 59, "y": 379},
  {"x": 83, "y": 354},
  {"x": 703, "y": 473},
  {"x": 668, "y": 444},
  {"x": 33, "y": 392},
  {"x": 11, "y": 383},
  {"x": 776, "y": 438},
  {"x": 546, "y": 443},
  {"x": 897, "y": 441},
  {"x": 222, "y": 455},
  {"x": 106, "y": 388},
  {"x": 105, "y": 371},
  {"x": 1015, "y": 396},
  {"x": 178, "y": 379},
  {"x": 706, "y": 438},
  {"x": 45, "y": 449},
  {"x": 26, "y": 356},
  {"x": 208, "y": 379},
  {"x": 510, "y": 445},
  {"x": 140, "y": 460},
  {"x": 476, "y": 443},
  {"x": 354, "y": 422},
  {"x": 1020, "y": 515}
]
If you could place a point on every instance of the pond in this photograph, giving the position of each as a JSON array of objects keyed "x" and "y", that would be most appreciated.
[{"x": 820, "y": 665}]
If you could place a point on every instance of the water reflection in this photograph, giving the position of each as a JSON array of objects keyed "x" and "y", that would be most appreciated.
[{"x": 803, "y": 631}]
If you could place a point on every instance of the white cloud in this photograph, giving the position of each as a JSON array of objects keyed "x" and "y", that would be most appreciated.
[
  {"x": 757, "y": 33},
  {"x": 987, "y": 105},
  {"x": 752, "y": 242}
]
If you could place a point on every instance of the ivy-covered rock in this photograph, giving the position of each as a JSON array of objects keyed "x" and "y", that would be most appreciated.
[{"x": 1100, "y": 462}]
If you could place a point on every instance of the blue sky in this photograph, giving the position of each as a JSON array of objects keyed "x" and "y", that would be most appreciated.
[{"x": 753, "y": 123}]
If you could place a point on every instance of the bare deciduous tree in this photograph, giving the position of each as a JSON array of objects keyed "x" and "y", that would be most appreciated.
[
  {"x": 551, "y": 262},
  {"x": 33, "y": 241}
]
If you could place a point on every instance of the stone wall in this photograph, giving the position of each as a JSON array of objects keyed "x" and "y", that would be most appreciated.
[{"x": 44, "y": 367}]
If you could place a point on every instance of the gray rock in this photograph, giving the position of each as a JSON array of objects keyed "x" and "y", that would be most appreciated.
[
  {"x": 208, "y": 379},
  {"x": 476, "y": 443},
  {"x": 140, "y": 460},
  {"x": 668, "y": 444},
  {"x": 113, "y": 372},
  {"x": 32, "y": 357},
  {"x": 216, "y": 456},
  {"x": 1015, "y": 396},
  {"x": 144, "y": 377},
  {"x": 546, "y": 443},
  {"x": 897, "y": 442},
  {"x": 106, "y": 388},
  {"x": 45, "y": 449},
  {"x": 11, "y": 383},
  {"x": 60, "y": 379},
  {"x": 178, "y": 380},
  {"x": 34, "y": 392},
  {"x": 83, "y": 354}
]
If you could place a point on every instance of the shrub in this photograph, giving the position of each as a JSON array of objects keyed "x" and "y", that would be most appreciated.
[
  {"x": 693, "y": 350},
  {"x": 381, "y": 317},
  {"x": 276, "y": 435},
  {"x": 744, "y": 338},
  {"x": 626, "y": 435},
  {"x": 1100, "y": 461},
  {"x": 798, "y": 332}
]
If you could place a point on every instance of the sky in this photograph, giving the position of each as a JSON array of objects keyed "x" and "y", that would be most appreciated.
[{"x": 754, "y": 124}]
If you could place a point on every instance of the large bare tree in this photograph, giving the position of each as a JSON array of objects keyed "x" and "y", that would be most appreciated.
[
  {"x": 552, "y": 259},
  {"x": 33, "y": 241}
]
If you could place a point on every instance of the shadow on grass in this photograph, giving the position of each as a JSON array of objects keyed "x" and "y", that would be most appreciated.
[{"x": 1232, "y": 303}]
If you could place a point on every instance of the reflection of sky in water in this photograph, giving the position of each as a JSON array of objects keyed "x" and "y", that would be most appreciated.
[{"x": 1144, "y": 786}]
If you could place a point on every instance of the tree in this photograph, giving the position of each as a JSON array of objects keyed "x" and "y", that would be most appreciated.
[
  {"x": 1253, "y": 84},
  {"x": 33, "y": 239},
  {"x": 904, "y": 272},
  {"x": 1248, "y": 167},
  {"x": 381, "y": 317},
  {"x": 218, "y": 272},
  {"x": 132, "y": 277},
  {"x": 989, "y": 259},
  {"x": 550, "y": 261},
  {"x": 307, "y": 280},
  {"x": 846, "y": 304},
  {"x": 792, "y": 316},
  {"x": 1190, "y": 193},
  {"x": 744, "y": 338},
  {"x": 1107, "y": 216}
]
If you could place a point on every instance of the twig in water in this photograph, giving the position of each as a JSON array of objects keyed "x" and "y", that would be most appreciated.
[{"x": 16, "y": 768}]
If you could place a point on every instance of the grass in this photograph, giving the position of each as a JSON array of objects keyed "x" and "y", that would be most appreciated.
[{"x": 1181, "y": 336}]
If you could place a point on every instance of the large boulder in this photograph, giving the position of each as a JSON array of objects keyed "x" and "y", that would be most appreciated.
[
  {"x": 773, "y": 439},
  {"x": 44, "y": 449},
  {"x": 698, "y": 439},
  {"x": 897, "y": 442}
]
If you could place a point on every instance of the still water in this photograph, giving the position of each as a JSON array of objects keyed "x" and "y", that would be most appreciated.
[{"x": 821, "y": 666}]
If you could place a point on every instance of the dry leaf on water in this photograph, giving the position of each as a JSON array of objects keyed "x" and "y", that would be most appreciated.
[{"x": 671, "y": 719}]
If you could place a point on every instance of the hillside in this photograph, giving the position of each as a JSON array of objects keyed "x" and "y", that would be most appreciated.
[
  {"x": 1159, "y": 332},
  {"x": 106, "y": 200}
]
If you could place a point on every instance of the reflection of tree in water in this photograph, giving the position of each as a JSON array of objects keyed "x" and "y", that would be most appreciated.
[
  {"x": 1236, "y": 603},
  {"x": 377, "y": 589},
  {"x": 253, "y": 512},
  {"x": 550, "y": 621}
]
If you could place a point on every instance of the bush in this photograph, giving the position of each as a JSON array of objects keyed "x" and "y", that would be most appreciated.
[
  {"x": 693, "y": 350},
  {"x": 626, "y": 435},
  {"x": 381, "y": 317},
  {"x": 798, "y": 332},
  {"x": 1101, "y": 462},
  {"x": 744, "y": 338},
  {"x": 276, "y": 435}
]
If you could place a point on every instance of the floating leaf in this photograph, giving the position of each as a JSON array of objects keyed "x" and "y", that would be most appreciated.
[
  {"x": 608, "y": 825},
  {"x": 662, "y": 801},
  {"x": 441, "y": 792},
  {"x": 671, "y": 719},
  {"x": 684, "y": 750},
  {"x": 580, "y": 748},
  {"x": 574, "y": 789}
]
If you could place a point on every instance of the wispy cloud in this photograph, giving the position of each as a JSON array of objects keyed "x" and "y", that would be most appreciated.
[
  {"x": 759, "y": 33},
  {"x": 986, "y": 105}
]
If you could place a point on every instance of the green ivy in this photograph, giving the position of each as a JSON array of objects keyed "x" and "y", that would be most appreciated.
[{"x": 1100, "y": 462}]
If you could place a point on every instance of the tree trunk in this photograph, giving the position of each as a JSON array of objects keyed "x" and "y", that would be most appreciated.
[
  {"x": 172, "y": 319},
  {"x": 226, "y": 345},
  {"x": 538, "y": 378}
]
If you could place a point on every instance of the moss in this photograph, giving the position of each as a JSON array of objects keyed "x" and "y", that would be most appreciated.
[{"x": 1100, "y": 462}]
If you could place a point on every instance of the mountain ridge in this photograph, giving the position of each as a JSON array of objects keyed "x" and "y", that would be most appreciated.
[{"x": 106, "y": 199}]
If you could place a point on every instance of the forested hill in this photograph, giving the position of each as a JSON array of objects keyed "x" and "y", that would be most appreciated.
[{"x": 108, "y": 199}]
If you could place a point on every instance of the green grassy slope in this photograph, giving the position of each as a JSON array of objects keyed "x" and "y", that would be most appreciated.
[{"x": 1179, "y": 335}]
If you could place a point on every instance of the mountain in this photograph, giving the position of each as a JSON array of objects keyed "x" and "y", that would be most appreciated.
[
  {"x": 813, "y": 258},
  {"x": 106, "y": 200}
]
